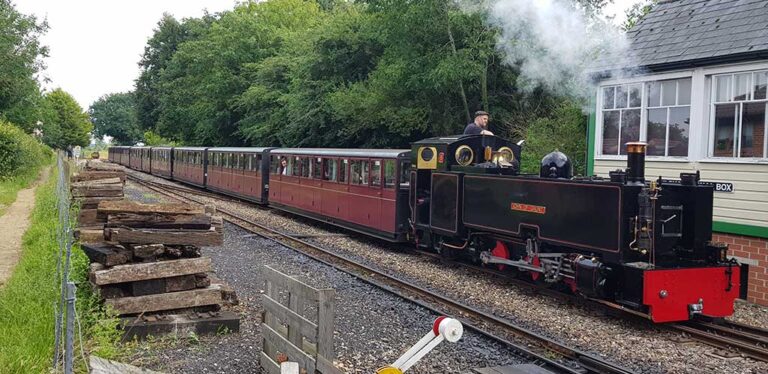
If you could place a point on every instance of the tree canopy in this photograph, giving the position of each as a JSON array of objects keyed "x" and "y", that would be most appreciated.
[
  {"x": 65, "y": 124},
  {"x": 21, "y": 55},
  {"x": 369, "y": 73},
  {"x": 115, "y": 115}
]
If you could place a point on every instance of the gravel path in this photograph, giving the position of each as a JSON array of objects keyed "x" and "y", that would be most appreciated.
[
  {"x": 637, "y": 345},
  {"x": 372, "y": 327}
]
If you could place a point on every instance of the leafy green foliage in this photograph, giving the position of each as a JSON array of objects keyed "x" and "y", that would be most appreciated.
[
  {"x": 19, "y": 151},
  {"x": 564, "y": 130},
  {"x": 154, "y": 140},
  {"x": 65, "y": 123},
  {"x": 375, "y": 73},
  {"x": 115, "y": 115},
  {"x": 21, "y": 61},
  {"x": 636, "y": 12}
]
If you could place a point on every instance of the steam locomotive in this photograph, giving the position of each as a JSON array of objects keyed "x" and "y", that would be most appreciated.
[{"x": 645, "y": 245}]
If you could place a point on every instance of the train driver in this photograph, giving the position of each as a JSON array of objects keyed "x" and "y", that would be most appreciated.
[{"x": 479, "y": 125}]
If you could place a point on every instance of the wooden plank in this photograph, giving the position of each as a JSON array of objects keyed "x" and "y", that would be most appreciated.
[
  {"x": 104, "y": 166},
  {"x": 283, "y": 281},
  {"x": 268, "y": 364},
  {"x": 97, "y": 182},
  {"x": 147, "y": 250},
  {"x": 294, "y": 332},
  {"x": 152, "y": 270},
  {"x": 327, "y": 367},
  {"x": 163, "y": 285},
  {"x": 165, "y": 301},
  {"x": 100, "y": 192},
  {"x": 282, "y": 345},
  {"x": 294, "y": 320},
  {"x": 93, "y": 202},
  {"x": 88, "y": 217},
  {"x": 326, "y": 314},
  {"x": 201, "y": 238},
  {"x": 125, "y": 206},
  {"x": 89, "y": 235},
  {"x": 97, "y": 175},
  {"x": 160, "y": 220},
  {"x": 106, "y": 254},
  {"x": 102, "y": 366}
]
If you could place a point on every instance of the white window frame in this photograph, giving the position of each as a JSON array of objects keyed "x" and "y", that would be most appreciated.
[
  {"x": 737, "y": 128},
  {"x": 643, "y": 80}
]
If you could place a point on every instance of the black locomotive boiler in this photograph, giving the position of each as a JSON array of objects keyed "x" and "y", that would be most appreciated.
[{"x": 643, "y": 244}]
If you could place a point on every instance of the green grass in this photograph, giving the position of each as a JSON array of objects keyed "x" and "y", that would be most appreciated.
[
  {"x": 10, "y": 187},
  {"x": 27, "y": 300}
]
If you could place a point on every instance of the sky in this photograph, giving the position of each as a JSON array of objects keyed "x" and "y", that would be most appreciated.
[{"x": 95, "y": 45}]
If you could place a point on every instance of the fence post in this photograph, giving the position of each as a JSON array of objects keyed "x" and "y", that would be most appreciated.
[{"x": 70, "y": 335}]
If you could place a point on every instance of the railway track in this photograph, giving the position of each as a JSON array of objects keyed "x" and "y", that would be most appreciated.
[
  {"x": 730, "y": 339},
  {"x": 545, "y": 351}
]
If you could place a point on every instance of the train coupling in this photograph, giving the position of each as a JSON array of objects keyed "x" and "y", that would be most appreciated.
[{"x": 696, "y": 308}]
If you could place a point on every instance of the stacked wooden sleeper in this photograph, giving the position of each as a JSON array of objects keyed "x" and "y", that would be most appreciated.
[{"x": 149, "y": 260}]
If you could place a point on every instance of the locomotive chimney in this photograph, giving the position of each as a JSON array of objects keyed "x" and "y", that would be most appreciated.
[{"x": 636, "y": 162}]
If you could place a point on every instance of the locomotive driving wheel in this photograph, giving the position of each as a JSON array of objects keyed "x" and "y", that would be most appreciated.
[{"x": 500, "y": 250}]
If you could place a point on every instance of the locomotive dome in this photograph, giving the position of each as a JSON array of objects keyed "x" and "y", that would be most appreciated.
[{"x": 556, "y": 165}]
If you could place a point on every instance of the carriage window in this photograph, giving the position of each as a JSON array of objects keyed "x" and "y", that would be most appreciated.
[
  {"x": 343, "y": 166},
  {"x": 274, "y": 165},
  {"x": 405, "y": 174},
  {"x": 296, "y": 167},
  {"x": 304, "y": 167},
  {"x": 389, "y": 173},
  {"x": 317, "y": 167},
  {"x": 329, "y": 167},
  {"x": 376, "y": 173},
  {"x": 359, "y": 173}
]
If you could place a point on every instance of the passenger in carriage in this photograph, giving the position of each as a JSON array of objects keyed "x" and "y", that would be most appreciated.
[{"x": 284, "y": 166}]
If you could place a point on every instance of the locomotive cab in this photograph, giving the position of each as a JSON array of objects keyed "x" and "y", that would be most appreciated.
[{"x": 438, "y": 167}]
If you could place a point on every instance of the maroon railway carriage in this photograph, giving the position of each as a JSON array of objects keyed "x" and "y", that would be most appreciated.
[
  {"x": 239, "y": 172},
  {"x": 162, "y": 162},
  {"x": 119, "y": 155},
  {"x": 365, "y": 190},
  {"x": 140, "y": 159},
  {"x": 189, "y": 165}
]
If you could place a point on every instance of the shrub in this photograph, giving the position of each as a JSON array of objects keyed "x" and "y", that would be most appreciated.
[
  {"x": 565, "y": 131},
  {"x": 19, "y": 151}
]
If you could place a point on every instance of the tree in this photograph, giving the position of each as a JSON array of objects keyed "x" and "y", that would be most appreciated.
[
  {"x": 66, "y": 124},
  {"x": 636, "y": 12},
  {"x": 21, "y": 56},
  {"x": 115, "y": 115},
  {"x": 161, "y": 47}
]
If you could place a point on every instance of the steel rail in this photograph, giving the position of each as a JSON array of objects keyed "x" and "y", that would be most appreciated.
[
  {"x": 576, "y": 361},
  {"x": 733, "y": 338}
]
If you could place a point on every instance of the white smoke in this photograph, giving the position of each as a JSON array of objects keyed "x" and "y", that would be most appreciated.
[{"x": 554, "y": 43}]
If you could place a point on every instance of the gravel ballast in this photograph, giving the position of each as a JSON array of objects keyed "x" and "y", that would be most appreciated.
[
  {"x": 637, "y": 345},
  {"x": 373, "y": 327}
]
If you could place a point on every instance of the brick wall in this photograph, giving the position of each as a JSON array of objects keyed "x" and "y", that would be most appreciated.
[{"x": 756, "y": 250}]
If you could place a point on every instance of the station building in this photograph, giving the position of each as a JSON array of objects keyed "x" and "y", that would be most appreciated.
[{"x": 700, "y": 102}]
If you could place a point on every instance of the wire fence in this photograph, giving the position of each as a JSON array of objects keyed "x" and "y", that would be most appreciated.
[{"x": 64, "y": 307}]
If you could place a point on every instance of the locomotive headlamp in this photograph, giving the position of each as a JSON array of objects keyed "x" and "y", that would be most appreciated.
[
  {"x": 488, "y": 153},
  {"x": 464, "y": 155},
  {"x": 505, "y": 156}
]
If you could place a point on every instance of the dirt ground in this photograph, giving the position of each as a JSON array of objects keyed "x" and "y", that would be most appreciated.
[{"x": 14, "y": 223}]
